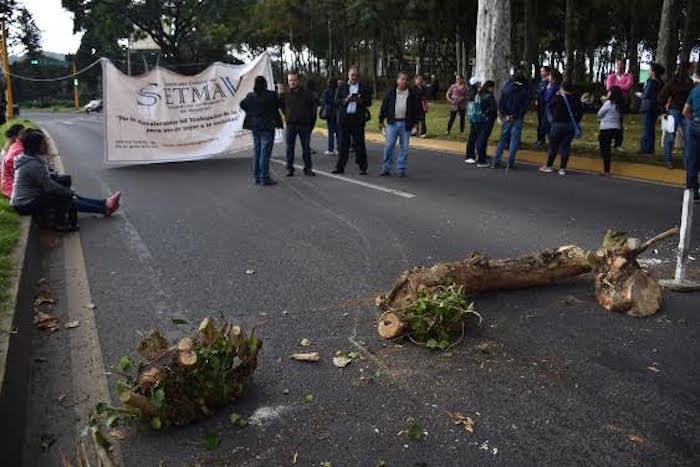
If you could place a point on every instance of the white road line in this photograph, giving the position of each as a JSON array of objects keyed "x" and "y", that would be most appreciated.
[{"x": 392, "y": 191}]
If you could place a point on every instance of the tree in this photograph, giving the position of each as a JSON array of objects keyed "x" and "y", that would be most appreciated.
[
  {"x": 20, "y": 27},
  {"x": 568, "y": 40},
  {"x": 493, "y": 40},
  {"x": 665, "y": 50}
]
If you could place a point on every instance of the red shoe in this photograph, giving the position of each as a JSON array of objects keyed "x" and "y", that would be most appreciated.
[{"x": 112, "y": 203}]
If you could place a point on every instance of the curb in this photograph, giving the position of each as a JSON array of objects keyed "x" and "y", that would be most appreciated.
[
  {"x": 16, "y": 346},
  {"x": 619, "y": 169}
]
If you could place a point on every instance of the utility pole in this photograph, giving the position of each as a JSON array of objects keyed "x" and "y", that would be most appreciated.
[
  {"x": 6, "y": 69},
  {"x": 76, "y": 91}
]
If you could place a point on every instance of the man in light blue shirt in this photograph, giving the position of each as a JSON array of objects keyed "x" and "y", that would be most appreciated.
[
  {"x": 691, "y": 111},
  {"x": 352, "y": 101}
]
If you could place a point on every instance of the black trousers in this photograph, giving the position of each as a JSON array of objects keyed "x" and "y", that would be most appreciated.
[
  {"x": 304, "y": 133},
  {"x": 453, "y": 115},
  {"x": 352, "y": 127},
  {"x": 605, "y": 138},
  {"x": 61, "y": 206}
]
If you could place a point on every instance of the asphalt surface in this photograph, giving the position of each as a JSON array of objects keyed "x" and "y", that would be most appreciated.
[{"x": 549, "y": 379}]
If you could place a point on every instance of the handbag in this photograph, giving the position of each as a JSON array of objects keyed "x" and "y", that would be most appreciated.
[{"x": 578, "y": 132}]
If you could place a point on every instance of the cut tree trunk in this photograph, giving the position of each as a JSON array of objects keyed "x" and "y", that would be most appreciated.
[{"x": 621, "y": 284}]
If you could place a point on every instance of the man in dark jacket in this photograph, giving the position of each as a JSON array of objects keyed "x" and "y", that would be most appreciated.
[
  {"x": 262, "y": 117},
  {"x": 299, "y": 107},
  {"x": 352, "y": 101},
  {"x": 400, "y": 110},
  {"x": 512, "y": 106}
]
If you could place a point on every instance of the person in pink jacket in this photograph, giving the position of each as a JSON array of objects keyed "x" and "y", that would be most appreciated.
[
  {"x": 14, "y": 149},
  {"x": 624, "y": 81}
]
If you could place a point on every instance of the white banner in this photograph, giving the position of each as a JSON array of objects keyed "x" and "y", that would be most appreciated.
[{"x": 166, "y": 117}]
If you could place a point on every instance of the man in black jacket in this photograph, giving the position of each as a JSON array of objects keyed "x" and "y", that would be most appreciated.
[
  {"x": 400, "y": 110},
  {"x": 352, "y": 101},
  {"x": 299, "y": 107}
]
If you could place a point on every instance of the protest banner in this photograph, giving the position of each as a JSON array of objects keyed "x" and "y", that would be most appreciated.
[{"x": 163, "y": 116}]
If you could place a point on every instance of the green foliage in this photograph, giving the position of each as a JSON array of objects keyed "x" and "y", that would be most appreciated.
[
  {"x": 211, "y": 439},
  {"x": 415, "y": 431},
  {"x": 437, "y": 317},
  {"x": 237, "y": 420}
]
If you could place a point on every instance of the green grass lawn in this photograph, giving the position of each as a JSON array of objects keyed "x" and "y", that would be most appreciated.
[
  {"x": 9, "y": 229},
  {"x": 586, "y": 146}
]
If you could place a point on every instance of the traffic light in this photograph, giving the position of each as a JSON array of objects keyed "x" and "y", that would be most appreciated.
[
  {"x": 34, "y": 61},
  {"x": 75, "y": 82}
]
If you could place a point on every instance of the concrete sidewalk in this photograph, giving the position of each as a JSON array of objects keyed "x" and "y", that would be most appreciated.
[{"x": 633, "y": 170}]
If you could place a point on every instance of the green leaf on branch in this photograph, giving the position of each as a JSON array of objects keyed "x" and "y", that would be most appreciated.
[
  {"x": 125, "y": 363},
  {"x": 158, "y": 398}
]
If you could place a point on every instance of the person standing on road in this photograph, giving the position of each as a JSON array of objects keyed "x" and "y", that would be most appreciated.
[
  {"x": 457, "y": 97},
  {"x": 649, "y": 108},
  {"x": 671, "y": 101},
  {"x": 483, "y": 112},
  {"x": 35, "y": 190},
  {"x": 262, "y": 117},
  {"x": 352, "y": 100},
  {"x": 329, "y": 114},
  {"x": 299, "y": 107},
  {"x": 691, "y": 111},
  {"x": 400, "y": 110},
  {"x": 542, "y": 123},
  {"x": 624, "y": 81},
  {"x": 566, "y": 115},
  {"x": 610, "y": 116},
  {"x": 419, "y": 90},
  {"x": 14, "y": 149},
  {"x": 512, "y": 106}
]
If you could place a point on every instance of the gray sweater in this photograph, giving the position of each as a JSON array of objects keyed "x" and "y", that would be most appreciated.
[
  {"x": 32, "y": 181},
  {"x": 609, "y": 116}
]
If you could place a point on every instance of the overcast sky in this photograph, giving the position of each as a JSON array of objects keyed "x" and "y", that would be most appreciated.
[{"x": 56, "y": 25}]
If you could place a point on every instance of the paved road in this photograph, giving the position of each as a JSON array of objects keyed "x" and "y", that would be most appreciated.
[{"x": 550, "y": 379}]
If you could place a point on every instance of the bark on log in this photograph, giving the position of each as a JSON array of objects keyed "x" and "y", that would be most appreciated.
[
  {"x": 621, "y": 284},
  {"x": 138, "y": 401}
]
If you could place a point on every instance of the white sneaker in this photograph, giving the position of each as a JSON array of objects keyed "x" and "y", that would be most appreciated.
[
  {"x": 483, "y": 165},
  {"x": 619, "y": 149},
  {"x": 562, "y": 172},
  {"x": 470, "y": 161},
  {"x": 424, "y": 136},
  {"x": 329, "y": 153},
  {"x": 545, "y": 169}
]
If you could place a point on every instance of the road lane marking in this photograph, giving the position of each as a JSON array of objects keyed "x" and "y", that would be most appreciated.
[{"x": 392, "y": 191}]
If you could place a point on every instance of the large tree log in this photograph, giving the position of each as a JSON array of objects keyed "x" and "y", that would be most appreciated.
[{"x": 621, "y": 284}]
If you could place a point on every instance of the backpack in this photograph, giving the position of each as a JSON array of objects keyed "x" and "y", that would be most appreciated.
[{"x": 475, "y": 112}]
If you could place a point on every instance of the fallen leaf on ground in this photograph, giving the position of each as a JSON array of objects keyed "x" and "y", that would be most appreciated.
[
  {"x": 249, "y": 272},
  {"x": 305, "y": 342},
  {"x": 636, "y": 439},
  {"x": 46, "y": 321},
  {"x": 341, "y": 361},
  {"x": 41, "y": 300},
  {"x": 295, "y": 457},
  {"x": 308, "y": 398},
  {"x": 306, "y": 357},
  {"x": 237, "y": 420},
  {"x": 653, "y": 368},
  {"x": 61, "y": 397},
  {"x": 90, "y": 306},
  {"x": 460, "y": 419},
  {"x": 72, "y": 324}
]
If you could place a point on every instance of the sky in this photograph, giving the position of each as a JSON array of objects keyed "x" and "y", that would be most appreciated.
[{"x": 56, "y": 25}]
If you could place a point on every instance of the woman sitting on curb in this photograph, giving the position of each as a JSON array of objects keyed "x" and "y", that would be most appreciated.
[
  {"x": 14, "y": 149},
  {"x": 35, "y": 190}
]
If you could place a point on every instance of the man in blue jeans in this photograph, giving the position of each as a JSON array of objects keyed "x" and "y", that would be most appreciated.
[
  {"x": 400, "y": 110},
  {"x": 512, "y": 106}
]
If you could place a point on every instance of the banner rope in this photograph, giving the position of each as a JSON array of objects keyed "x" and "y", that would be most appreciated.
[{"x": 58, "y": 78}]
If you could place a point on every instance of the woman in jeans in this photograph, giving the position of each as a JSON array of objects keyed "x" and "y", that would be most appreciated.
[
  {"x": 671, "y": 100},
  {"x": 610, "y": 116},
  {"x": 35, "y": 190},
  {"x": 457, "y": 96},
  {"x": 648, "y": 108},
  {"x": 331, "y": 116},
  {"x": 262, "y": 117},
  {"x": 566, "y": 115}
]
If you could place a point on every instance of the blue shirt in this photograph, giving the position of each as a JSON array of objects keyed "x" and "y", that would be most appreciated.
[{"x": 694, "y": 102}]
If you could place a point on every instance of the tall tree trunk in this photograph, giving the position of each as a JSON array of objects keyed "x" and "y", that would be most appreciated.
[
  {"x": 530, "y": 35},
  {"x": 634, "y": 47},
  {"x": 493, "y": 53},
  {"x": 458, "y": 53},
  {"x": 665, "y": 50},
  {"x": 569, "y": 40},
  {"x": 688, "y": 32}
]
